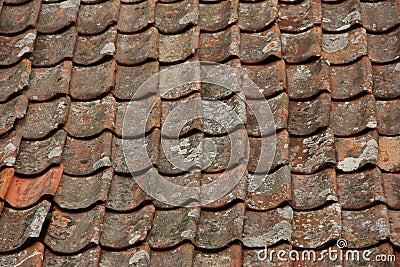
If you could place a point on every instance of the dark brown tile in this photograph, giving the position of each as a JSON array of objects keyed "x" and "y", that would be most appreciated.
[
  {"x": 180, "y": 256},
  {"x": 13, "y": 48},
  {"x": 17, "y": 18},
  {"x": 217, "y": 16},
  {"x": 391, "y": 183},
  {"x": 389, "y": 153},
  {"x": 299, "y": 17},
  {"x": 6, "y": 177},
  {"x": 87, "y": 258},
  {"x": 256, "y": 16},
  {"x": 19, "y": 225},
  {"x": 384, "y": 47},
  {"x": 299, "y": 47},
  {"x": 178, "y": 47},
  {"x": 36, "y": 156},
  {"x": 9, "y": 146},
  {"x": 54, "y": 17},
  {"x": 135, "y": 17},
  {"x": 71, "y": 196},
  {"x": 388, "y": 114},
  {"x": 139, "y": 256},
  {"x": 11, "y": 111},
  {"x": 71, "y": 232},
  {"x": 174, "y": 17},
  {"x": 380, "y": 16},
  {"x": 340, "y": 16},
  {"x": 232, "y": 256},
  {"x": 385, "y": 80},
  {"x": 83, "y": 157},
  {"x": 14, "y": 79},
  {"x": 43, "y": 118},
  {"x": 31, "y": 256}
]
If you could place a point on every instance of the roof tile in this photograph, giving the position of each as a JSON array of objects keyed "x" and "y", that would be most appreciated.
[
  {"x": 218, "y": 229},
  {"x": 299, "y": 17},
  {"x": 139, "y": 256},
  {"x": 54, "y": 17},
  {"x": 95, "y": 18},
  {"x": 174, "y": 17},
  {"x": 389, "y": 153},
  {"x": 11, "y": 111},
  {"x": 354, "y": 116},
  {"x": 31, "y": 256},
  {"x": 9, "y": 146},
  {"x": 82, "y": 157},
  {"x": 180, "y": 256},
  {"x": 178, "y": 47},
  {"x": 71, "y": 232},
  {"x": 14, "y": 79},
  {"x": 24, "y": 192},
  {"x": 17, "y": 18},
  {"x": 380, "y": 16},
  {"x": 13, "y": 48},
  {"x": 19, "y": 225},
  {"x": 90, "y": 118},
  {"x": 391, "y": 182},
  {"x": 251, "y": 257},
  {"x": 91, "y": 82},
  {"x": 341, "y": 48},
  {"x": 92, "y": 49},
  {"x": 309, "y": 154},
  {"x": 17, "y": 2},
  {"x": 43, "y": 118},
  {"x": 394, "y": 220},
  {"x": 232, "y": 256},
  {"x": 87, "y": 258},
  {"x": 256, "y": 16},
  {"x": 71, "y": 196},
  {"x": 274, "y": 190},
  {"x": 373, "y": 253},
  {"x": 54, "y": 48},
  {"x": 363, "y": 228},
  {"x": 6, "y": 177},
  {"x": 36, "y": 156},
  {"x": 312, "y": 229},
  {"x": 340, "y": 16},
  {"x": 388, "y": 114},
  {"x": 217, "y": 16},
  {"x": 45, "y": 83},
  {"x": 299, "y": 47},
  {"x": 133, "y": 18},
  {"x": 136, "y": 48},
  {"x": 122, "y": 230},
  {"x": 385, "y": 80},
  {"x": 384, "y": 47}
]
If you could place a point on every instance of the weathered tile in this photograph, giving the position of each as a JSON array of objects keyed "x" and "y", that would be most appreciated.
[
  {"x": 71, "y": 196},
  {"x": 256, "y": 16},
  {"x": 92, "y": 49},
  {"x": 266, "y": 257},
  {"x": 9, "y": 146},
  {"x": 6, "y": 177},
  {"x": 95, "y": 18},
  {"x": 17, "y": 18},
  {"x": 363, "y": 228},
  {"x": 19, "y": 225},
  {"x": 381, "y": 254},
  {"x": 232, "y": 256},
  {"x": 394, "y": 220},
  {"x": 54, "y": 17},
  {"x": 71, "y": 232},
  {"x": 354, "y": 116},
  {"x": 299, "y": 47},
  {"x": 82, "y": 157},
  {"x": 14, "y": 79},
  {"x": 178, "y": 47},
  {"x": 309, "y": 154},
  {"x": 31, "y": 256},
  {"x": 13, "y": 48},
  {"x": 174, "y": 17},
  {"x": 217, "y": 16},
  {"x": 24, "y": 192},
  {"x": 389, "y": 153},
  {"x": 268, "y": 191},
  {"x": 36, "y": 156},
  {"x": 312, "y": 229},
  {"x": 299, "y": 17},
  {"x": 384, "y": 47},
  {"x": 180, "y": 256},
  {"x": 133, "y": 18},
  {"x": 340, "y": 16},
  {"x": 11, "y": 111},
  {"x": 391, "y": 183},
  {"x": 43, "y": 118},
  {"x": 385, "y": 80},
  {"x": 380, "y": 16},
  {"x": 139, "y": 256},
  {"x": 388, "y": 116},
  {"x": 87, "y": 258}
]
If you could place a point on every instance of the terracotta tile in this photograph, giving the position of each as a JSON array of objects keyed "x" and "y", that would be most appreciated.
[
  {"x": 299, "y": 17},
  {"x": 385, "y": 80},
  {"x": 340, "y": 16},
  {"x": 82, "y": 157},
  {"x": 314, "y": 190},
  {"x": 11, "y": 111},
  {"x": 217, "y": 16},
  {"x": 276, "y": 73},
  {"x": 54, "y": 48},
  {"x": 121, "y": 230},
  {"x": 71, "y": 232},
  {"x": 95, "y": 18},
  {"x": 384, "y": 47},
  {"x": 178, "y": 47},
  {"x": 171, "y": 227},
  {"x": 350, "y": 80},
  {"x": 307, "y": 117},
  {"x": 180, "y": 256},
  {"x": 9, "y": 146},
  {"x": 355, "y": 152},
  {"x": 36, "y": 156},
  {"x": 354, "y": 116},
  {"x": 174, "y": 17},
  {"x": 129, "y": 79},
  {"x": 54, "y": 17},
  {"x": 389, "y": 153},
  {"x": 275, "y": 189},
  {"x": 24, "y": 192},
  {"x": 14, "y": 79},
  {"x": 257, "y": 47},
  {"x": 251, "y": 257},
  {"x": 137, "y": 48},
  {"x": 394, "y": 220},
  {"x": 363, "y": 228},
  {"x": 388, "y": 114},
  {"x": 310, "y": 154},
  {"x": 92, "y": 49},
  {"x": 133, "y": 18},
  {"x": 17, "y": 18},
  {"x": 321, "y": 257},
  {"x": 45, "y": 83},
  {"x": 31, "y": 256},
  {"x": 43, "y": 118},
  {"x": 218, "y": 229},
  {"x": 256, "y": 16},
  {"x": 219, "y": 46},
  {"x": 15, "y": 2},
  {"x": 341, "y": 48},
  {"x": 299, "y": 47},
  {"x": 90, "y": 118},
  {"x": 391, "y": 182},
  {"x": 380, "y": 16},
  {"x": 19, "y": 225},
  {"x": 312, "y": 229},
  {"x": 15, "y": 47},
  {"x": 306, "y": 80},
  {"x": 87, "y": 258},
  {"x": 232, "y": 256},
  {"x": 6, "y": 177},
  {"x": 370, "y": 254},
  {"x": 91, "y": 82},
  {"x": 139, "y": 256},
  {"x": 71, "y": 196}
]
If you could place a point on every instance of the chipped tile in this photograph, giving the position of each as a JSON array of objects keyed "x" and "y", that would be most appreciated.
[
  {"x": 87, "y": 258},
  {"x": 9, "y": 146},
  {"x": 11, "y": 111},
  {"x": 54, "y": 17},
  {"x": 388, "y": 116},
  {"x": 232, "y": 256},
  {"x": 257, "y": 16},
  {"x": 299, "y": 47},
  {"x": 380, "y": 16},
  {"x": 180, "y": 256},
  {"x": 389, "y": 153},
  {"x": 384, "y": 47},
  {"x": 31, "y": 256},
  {"x": 15, "y": 47},
  {"x": 17, "y": 18},
  {"x": 133, "y": 18},
  {"x": 138, "y": 256},
  {"x": 391, "y": 182},
  {"x": 217, "y": 16},
  {"x": 178, "y": 47},
  {"x": 95, "y": 18},
  {"x": 6, "y": 177},
  {"x": 340, "y": 16},
  {"x": 385, "y": 80},
  {"x": 299, "y": 17},
  {"x": 14, "y": 79},
  {"x": 174, "y": 17}
]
